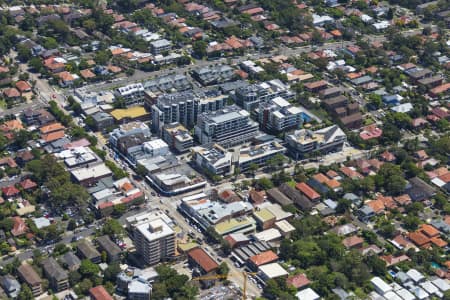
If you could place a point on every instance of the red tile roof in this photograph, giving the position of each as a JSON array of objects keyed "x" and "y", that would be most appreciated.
[
  {"x": 387, "y": 156},
  {"x": 298, "y": 281},
  {"x": 19, "y": 226},
  {"x": 320, "y": 178},
  {"x": 392, "y": 260},
  {"x": 87, "y": 74},
  {"x": 403, "y": 199},
  {"x": 203, "y": 259},
  {"x": 307, "y": 190},
  {"x": 263, "y": 258},
  {"x": 353, "y": 241},
  {"x": 23, "y": 86},
  {"x": 429, "y": 230},
  {"x": 376, "y": 205},
  {"x": 12, "y": 125},
  {"x": 100, "y": 293},
  {"x": 28, "y": 184},
  {"x": 8, "y": 161},
  {"x": 439, "y": 242},
  {"x": 53, "y": 136},
  {"x": 257, "y": 196},
  {"x": 10, "y": 191},
  {"x": 52, "y": 128},
  {"x": 418, "y": 238},
  {"x": 11, "y": 93}
]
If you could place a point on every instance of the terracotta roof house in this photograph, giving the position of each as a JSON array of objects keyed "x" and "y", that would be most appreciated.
[
  {"x": 376, "y": 205},
  {"x": 393, "y": 260},
  {"x": 437, "y": 241},
  {"x": 352, "y": 242},
  {"x": 52, "y": 128},
  {"x": 401, "y": 242},
  {"x": 403, "y": 200},
  {"x": 11, "y": 93},
  {"x": 257, "y": 197},
  {"x": 99, "y": 293},
  {"x": 11, "y": 125},
  {"x": 262, "y": 258},
  {"x": 198, "y": 257},
  {"x": 419, "y": 122},
  {"x": 53, "y": 136},
  {"x": 429, "y": 230},
  {"x": 298, "y": 281},
  {"x": 332, "y": 174},
  {"x": 229, "y": 196},
  {"x": 23, "y": 86},
  {"x": 19, "y": 226},
  {"x": 8, "y": 161},
  {"x": 10, "y": 191},
  {"x": 87, "y": 74},
  {"x": 421, "y": 154},
  {"x": 28, "y": 184},
  {"x": 388, "y": 202},
  {"x": 388, "y": 156},
  {"x": 307, "y": 191},
  {"x": 419, "y": 239},
  {"x": 349, "y": 172}
]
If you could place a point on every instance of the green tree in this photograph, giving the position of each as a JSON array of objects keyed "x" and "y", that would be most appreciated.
[
  {"x": 25, "y": 293},
  {"x": 89, "y": 25},
  {"x": 411, "y": 222},
  {"x": 84, "y": 286},
  {"x": 141, "y": 170},
  {"x": 253, "y": 168},
  {"x": 74, "y": 278},
  {"x": 112, "y": 271},
  {"x": 377, "y": 265},
  {"x": 199, "y": 48},
  {"x": 119, "y": 209},
  {"x": 36, "y": 64},
  {"x": 102, "y": 57},
  {"x": 50, "y": 43},
  {"x": 88, "y": 268},
  {"x": 265, "y": 183},
  {"x": 71, "y": 225},
  {"x": 112, "y": 227},
  {"x": 223, "y": 269}
]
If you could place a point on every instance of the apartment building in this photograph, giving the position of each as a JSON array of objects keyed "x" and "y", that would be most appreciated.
[
  {"x": 121, "y": 138},
  {"x": 58, "y": 278},
  {"x": 177, "y": 137},
  {"x": 214, "y": 159},
  {"x": 278, "y": 115},
  {"x": 132, "y": 94},
  {"x": 154, "y": 240},
  {"x": 303, "y": 142},
  {"x": 113, "y": 251},
  {"x": 218, "y": 161},
  {"x": 28, "y": 275},
  {"x": 249, "y": 96},
  {"x": 184, "y": 107},
  {"x": 160, "y": 46},
  {"x": 213, "y": 74},
  {"x": 146, "y": 150},
  {"x": 228, "y": 127},
  {"x": 86, "y": 250}
]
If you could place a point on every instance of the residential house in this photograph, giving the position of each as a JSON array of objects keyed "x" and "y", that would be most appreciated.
[{"x": 19, "y": 227}]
